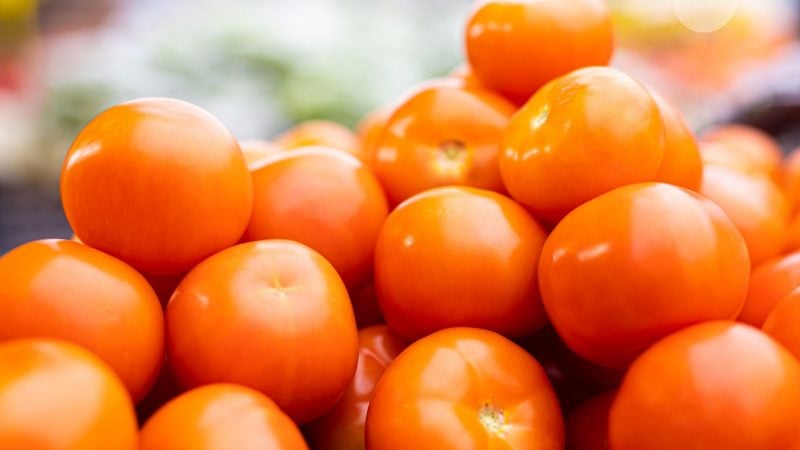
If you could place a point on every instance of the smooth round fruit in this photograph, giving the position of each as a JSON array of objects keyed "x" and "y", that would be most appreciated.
[
  {"x": 580, "y": 136},
  {"x": 633, "y": 265},
  {"x": 791, "y": 238},
  {"x": 769, "y": 283},
  {"x": 442, "y": 134},
  {"x": 254, "y": 150},
  {"x": 587, "y": 425},
  {"x": 342, "y": 428},
  {"x": 158, "y": 183},
  {"x": 783, "y": 322},
  {"x": 516, "y": 46},
  {"x": 716, "y": 385},
  {"x": 742, "y": 147},
  {"x": 66, "y": 290},
  {"x": 324, "y": 133},
  {"x": 271, "y": 315},
  {"x": 57, "y": 396},
  {"x": 459, "y": 257},
  {"x": 681, "y": 165},
  {"x": 464, "y": 388},
  {"x": 221, "y": 417}
]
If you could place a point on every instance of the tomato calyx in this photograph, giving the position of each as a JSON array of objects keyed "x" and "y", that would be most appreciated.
[
  {"x": 452, "y": 156},
  {"x": 493, "y": 419}
]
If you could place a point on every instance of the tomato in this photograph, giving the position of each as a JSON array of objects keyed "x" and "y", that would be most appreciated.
[
  {"x": 516, "y": 46},
  {"x": 66, "y": 290},
  {"x": 627, "y": 268},
  {"x": 254, "y": 150},
  {"x": 754, "y": 203},
  {"x": 221, "y": 416},
  {"x": 583, "y": 134},
  {"x": 342, "y": 428},
  {"x": 464, "y": 388},
  {"x": 324, "y": 133},
  {"x": 742, "y": 147},
  {"x": 271, "y": 315},
  {"x": 442, "y": 134},
  {"x": 158, "y": 183},
  {"x": 716, "y": 385},
  {"x": 681, "y": 165},
  {"x": 57, "y": 396},
  {"x": 459, "y": 257},
  {"x": 365, "y": 305},
  {"x": 769, "y": 283},
  {"x": 791, "y": 178},
  {"x": 587, "y": 425},
  {"x": 783, "y": 322},
  {"x": 369, "y": 131},
  {"x": 324, "y": 199},
  {"x": 791, "y": 238},
  {"x": 465, "y": 72}
]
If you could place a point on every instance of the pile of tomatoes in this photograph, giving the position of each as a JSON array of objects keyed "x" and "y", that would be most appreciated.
[{"x": 534, "y": 252}]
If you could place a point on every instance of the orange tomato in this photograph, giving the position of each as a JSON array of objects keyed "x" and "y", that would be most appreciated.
[
  {"x": 681, "y": 165},
  {"x": 629, "y": 267},
  {"x": 221, "y": 416},
  {"x": 464, "y": 388},
  {"x": 324, "y": 133},
  {"x": 442, "y": 134},
  {"x": 716, "y": 385},
  {"x": 587, "y": 425},
  {"x": 369, "y": 131},
  {"x": 57, "y": 396},
  {"x": 158, "y": 183},
  {"x": 365, "y": 305},
  {"x": 742, "y": 147},
  {"x": 791, "y": 238},
  {"x": 583, "y": 134},
  {"x": 342, "y": 428},
  {"x": 459, "y": 257},
  {"x": 769, "y": 283},
  {"x": 783, "y": 322},
  {"x": 516, "y": 46},
  {"x": 66, "y": 290},
  {"x": 271, "y": 315},
  {"x": 791, "y": 178},
  {"x": 254, "y": 150},
  {"x": 322, "y": 198}
]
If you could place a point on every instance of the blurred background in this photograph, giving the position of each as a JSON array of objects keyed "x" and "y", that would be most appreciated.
[{"x": 261, "y": 65}]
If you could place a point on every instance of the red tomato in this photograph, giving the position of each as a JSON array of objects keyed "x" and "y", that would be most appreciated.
[
  {"x": 66, "y": 290},
  {"x": 769, "y": 283},
  {"x": 324, "y": 199},
  {"x": 459, "y": 257},
  {"x": 342, "y": 428},
  {"x": 322, "y": 133},
  {"x": 742, "y": 147},
  {"x": 159, "y": 183},
  {"x": 631, "y": 266},
  {"x": 716, "y": 385},
  {"x": 221, "y": 416},
  {"x": 57, "y": 396},
  {"x": 271, "y": 315},
  {"x": 587, "y": 425},
  {"x": 464, "y": 388},
  {"x": 681, "y": 165}
]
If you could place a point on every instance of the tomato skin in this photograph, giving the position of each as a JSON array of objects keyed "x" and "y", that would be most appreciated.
[
  {"x": 464, "y": 388},
  {"x": 65, "y": 290},
  {"x": 271, "y": 315},
  {"x": 681, "y": 165},
  {"x": 369, "y": 131},
  {"x": 55, "y": 395},
  {"x": 516, "y": 47},
  {"x": 783, "y": 322},
  {"x": 449, "y": 249},
  {"x": 711, "y": 386},
  {"x": 220, "y": 417},
  {"x": 664, "y": 252},
  {"x": 573, "y": 127},
  {"x": 790, "y": 178},
  {"x": 769, "y": 283},
  {"x": 587, "y": 425},
  {"x": 322, "y": 133},
  {"x": 342, "y": 428},
  {"x": 744, "y": 148}
]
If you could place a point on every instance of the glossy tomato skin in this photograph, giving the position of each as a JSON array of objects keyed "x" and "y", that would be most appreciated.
[
  {"x": 681, "y": 165},
  {"x": 587, "y": 425},
  {"x": 442, "y": 254},
  {"x": 516, "y": 47},
  {"x": 574, "y": 140},
  {"x": 744, "y": 148},
  {"x": 158, "y": 183},
  {"x": 464, "y": 388},
  {"x": 55, "y": 395},
  {"x": 711, "y": 386},
  {"x": 342, "y": 428},
  {"x": 322, "y": 133},
  {"x": 783, "y": 322},
  {"x": 272, "y": 315},
  {"x": 769, "y": 283},
  {"x": 66, "y": 290},
  {"x": 322, "y": 198},
  {"x": 443, "y": 133},
  {"x": 221, "y": 417},
  {"x": 660, "y": 251}
]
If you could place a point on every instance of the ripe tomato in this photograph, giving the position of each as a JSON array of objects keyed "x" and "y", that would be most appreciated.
[
  {"x": 742, "y": 147},
  {"x": 464, "y": 388},
  {"x": 627, "y": 268},
  {"x": 755, "y": 204},
  {"x": 791, "y": 178},
  {"x": 442, "y": 134},
  {"x": 221, "y": 416},
  {"x": 369, "y": 131},
  {"x": 769, "y": 283},
  {"x": 322, "y": 198},
  {"x": 254, "y": 150},
  {"x": 459, "y": 257},
  {"x": 681, "y": 165},
  {"x": 716, "y": 385},
  {"x": 271, "y": 315},
  {"x": 783, "y": 322},
  {"x": 587, "y": 425},
  {"x": 365, "y": 305},
  {"x": 324, "y": 133},
  {"x": 66, "y": 290},
  {"x": 583, "y": 134},
  {"x": 158, "y": 183},
  {"x": 342, "y": 428},
  {"x": 57, "y": 396},
  {"x": 516, "y": 46},
  {"x": 791, "y": 239}
]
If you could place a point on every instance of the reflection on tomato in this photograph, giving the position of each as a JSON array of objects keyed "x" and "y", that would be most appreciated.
[
  {"x": 587, "y": 425},
  {"x": 769, "y": 283}
]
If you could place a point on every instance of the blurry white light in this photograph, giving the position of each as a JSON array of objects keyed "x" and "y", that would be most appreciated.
[{"x": 705, "y": 16}]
